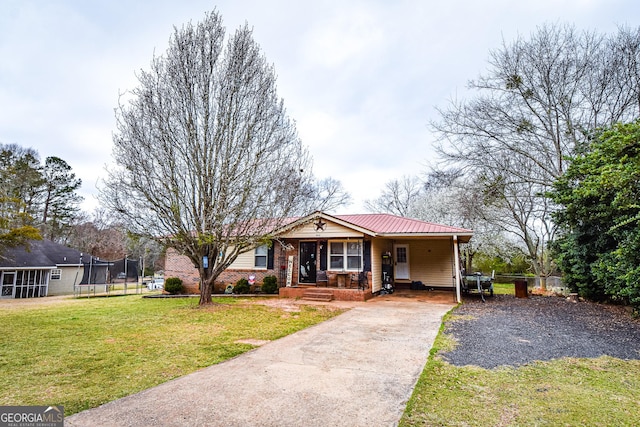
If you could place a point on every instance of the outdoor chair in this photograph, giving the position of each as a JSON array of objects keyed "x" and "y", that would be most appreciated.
[{"x": 322, "y": 278}]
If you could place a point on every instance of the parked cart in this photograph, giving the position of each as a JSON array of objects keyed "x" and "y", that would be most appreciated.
[{"x": 478, "y": 283}]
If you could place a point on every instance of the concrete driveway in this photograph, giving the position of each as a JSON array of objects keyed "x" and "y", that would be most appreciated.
[{"x": 357, "y": 369}]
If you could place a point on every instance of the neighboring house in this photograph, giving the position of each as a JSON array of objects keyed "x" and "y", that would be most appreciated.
[
  {"x": 45, "y": 268},
  {"x": 349, "y": 254}
]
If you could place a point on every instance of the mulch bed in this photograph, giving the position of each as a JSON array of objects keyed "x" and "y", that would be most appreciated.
[{"x": 515, "y": 331}]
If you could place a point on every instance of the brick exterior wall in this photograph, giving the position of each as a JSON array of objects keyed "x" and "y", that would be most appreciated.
[{"x": 177, "y": 265}]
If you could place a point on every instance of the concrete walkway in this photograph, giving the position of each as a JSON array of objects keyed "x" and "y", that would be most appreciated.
[{"x": 357, "y": 369}]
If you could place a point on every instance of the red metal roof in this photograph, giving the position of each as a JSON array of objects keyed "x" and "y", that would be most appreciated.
[{"x": 392, "y": 224}]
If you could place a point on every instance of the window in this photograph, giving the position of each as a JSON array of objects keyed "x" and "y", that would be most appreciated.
[
  {"x": 336, "y": 256},
  {"x": 56, "y": 274},
  {"x": 261, "y": 256},
  {"x": 354, "y": 255},
  {"x": 345, "y": 253}
]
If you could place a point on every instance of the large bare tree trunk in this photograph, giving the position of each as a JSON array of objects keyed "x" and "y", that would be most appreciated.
[{"x": 206, "y": 289}]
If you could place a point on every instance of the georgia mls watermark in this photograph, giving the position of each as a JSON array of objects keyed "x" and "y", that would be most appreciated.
[{"x": 31, "y": 416}]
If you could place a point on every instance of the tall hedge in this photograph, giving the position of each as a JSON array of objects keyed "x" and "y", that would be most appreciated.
[{"x": 599, "y": 196}]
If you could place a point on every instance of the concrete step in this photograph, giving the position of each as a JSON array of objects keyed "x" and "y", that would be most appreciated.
[
  {"x": 317, "y": 295},
  {"x": 318, "y": 298}
]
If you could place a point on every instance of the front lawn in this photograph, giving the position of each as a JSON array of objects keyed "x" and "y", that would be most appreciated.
[
  {"x": 81, "y": 354},
  {"x": 564, "y": 392}
]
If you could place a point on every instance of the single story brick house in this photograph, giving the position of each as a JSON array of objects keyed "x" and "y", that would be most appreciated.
[
  {"x": 349, "y": 254},
  {"x": 43, "y": 268}
]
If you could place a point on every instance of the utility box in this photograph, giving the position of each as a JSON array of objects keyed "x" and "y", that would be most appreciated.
[{"x": 521, "y": 289}]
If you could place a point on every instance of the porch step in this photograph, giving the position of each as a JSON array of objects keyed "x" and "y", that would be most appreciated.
[{"x": 317, "y": 295}]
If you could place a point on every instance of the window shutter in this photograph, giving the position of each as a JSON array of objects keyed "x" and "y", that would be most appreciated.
[
  {"x": 270, "y": 253},
  {"x": 323, "y": 255},
  {"x": 366, "y": 255}
]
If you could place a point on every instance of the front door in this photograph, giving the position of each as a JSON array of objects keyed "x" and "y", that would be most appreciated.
[
  {"x": 307, "y": 269},
  {"x": 402, "y": 262},
  {"x": 7, "y": 284}
]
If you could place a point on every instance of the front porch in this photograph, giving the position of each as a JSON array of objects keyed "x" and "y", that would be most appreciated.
[
  {"x": 437, "y": 296},
  {"x": 338, "y": 285}
]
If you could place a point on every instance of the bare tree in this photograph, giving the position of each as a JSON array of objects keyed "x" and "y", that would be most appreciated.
[
  {"x": 99, "y": 235},
  {"x": 148, "y": 251},
  {"x": 397, "y": 197},
  {"x": 540, "y": 102},
  {"x": 208, "y": 161},
  {"x": 519, "y": 208},
  {"x": 327, "y": 195},
  {"x": 449, "y": 198}
]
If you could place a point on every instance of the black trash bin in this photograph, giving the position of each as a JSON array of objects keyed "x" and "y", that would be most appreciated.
[{"x": 521, "y": 289}]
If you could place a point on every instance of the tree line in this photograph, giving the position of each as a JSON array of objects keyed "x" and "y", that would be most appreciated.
[
  {"x": 40, "y": 200},
  {"x": 37, "y": 199}
]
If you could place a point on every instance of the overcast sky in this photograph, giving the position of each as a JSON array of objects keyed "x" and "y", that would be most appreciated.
[{"x": 361, "y": 78}]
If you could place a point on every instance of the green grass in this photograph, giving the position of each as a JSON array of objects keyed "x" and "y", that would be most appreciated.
[
  {"x": 565, "y": 392},
  {"x": 504, "y": 289},
  {"x": 83, "y": 353}
]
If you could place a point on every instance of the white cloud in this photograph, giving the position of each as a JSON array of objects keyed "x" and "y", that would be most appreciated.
[
  {"x": 347, "y": 36},
  {"x": 361, "y": 78}
]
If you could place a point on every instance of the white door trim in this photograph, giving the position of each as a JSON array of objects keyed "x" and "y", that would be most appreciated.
[
  {"x": 3, "y": 275},
  {"x": 401, "y": 258}
]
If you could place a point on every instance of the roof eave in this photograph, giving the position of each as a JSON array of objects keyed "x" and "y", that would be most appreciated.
[
  {"x": 28, "y": 267},
  {"x": 463, "y": 237}
]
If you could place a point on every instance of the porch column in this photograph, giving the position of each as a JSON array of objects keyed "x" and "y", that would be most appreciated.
[{"x": 456, "y": 257}]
